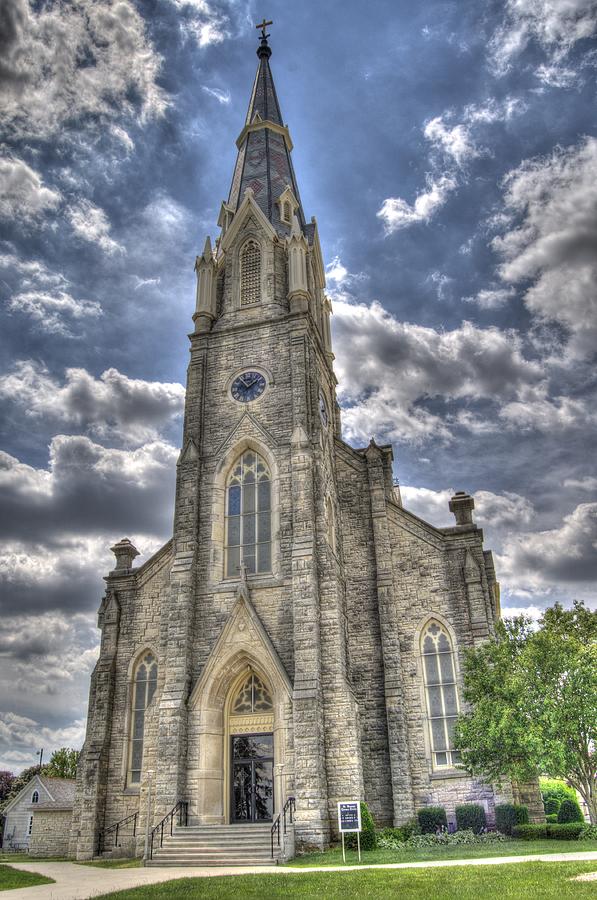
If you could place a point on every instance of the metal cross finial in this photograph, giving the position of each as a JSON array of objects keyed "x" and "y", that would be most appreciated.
[{"x": 263, "y": 25}]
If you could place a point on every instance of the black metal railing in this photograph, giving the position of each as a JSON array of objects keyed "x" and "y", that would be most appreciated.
[
  {"x": 182, "y": 808},
  {"x": 116, "y": 829},
  {"x": 286, "y": 816}
]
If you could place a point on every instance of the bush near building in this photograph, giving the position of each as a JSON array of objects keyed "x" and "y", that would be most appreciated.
[
  {"x": 570, "y": 811},
  {"x": 509, "y": 815},
  {"x": 432, "y": 819},
  {"x": 471, "y": 816},
  {"x": 368, "y": 831}
]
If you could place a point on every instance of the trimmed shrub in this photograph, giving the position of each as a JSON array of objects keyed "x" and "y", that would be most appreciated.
[
  {"x": 552, "y": 806},
  {"x": 551, "y": 819},
  {"x": 588, "y": 833},
  {"x": 570, "y": 811},
  {"x": 507, "y": 815},
  {"x": 432, "y": 818},
  {"x": 529, "y": 832},
  {"x": 368, "y": 832},
  {"x": 553, "y": 787},
  {"x": 570, "y": 831},
  {"x": 471, "y": 816}
]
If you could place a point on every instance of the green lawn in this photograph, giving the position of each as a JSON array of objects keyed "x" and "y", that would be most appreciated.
[
  {"x": 473, "y": 851},
  {"x": 15, "y": 878},
  {"x": 531, "y": 881},
  {"x": 111, "y": 863}
]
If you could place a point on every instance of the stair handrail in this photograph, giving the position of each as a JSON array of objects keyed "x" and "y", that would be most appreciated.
[
  {"x": 101, "y": 845},
  {"x": 288, "y": 810},
  {"x": 182, "y": 808}
]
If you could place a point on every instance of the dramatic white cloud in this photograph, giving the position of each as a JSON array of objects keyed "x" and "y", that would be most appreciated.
[
  {"x": 112, "y": 406},
  {"x": 91, "y": 224},
  {"x": 220, "y": 95},
  {"x": 32, "y": 273},
  {"x": 587, "y": 483},
  {"x": 396, "y": 213},
  {"x": 540, "y": 560},
  {"x": 387, "y": 369},
  {"x": 23, "y": 195},
  {"x": 54, "y": 310},
  {"x": 21, "y": 736},
  {"x": 552, "y": 239},
  {"x": 499, "y": 511},
  {"x": 492, "y": 298},
  {"x": 64, "y": 62},
  {"x": 455, "y": 141},
  {"x": 555, "y": 25}
]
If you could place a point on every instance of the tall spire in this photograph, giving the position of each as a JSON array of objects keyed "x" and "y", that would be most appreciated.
[{"x": 264, "y": 146}]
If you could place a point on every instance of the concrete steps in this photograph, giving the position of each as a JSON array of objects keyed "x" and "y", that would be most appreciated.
[{"x": 216, "y": 845}]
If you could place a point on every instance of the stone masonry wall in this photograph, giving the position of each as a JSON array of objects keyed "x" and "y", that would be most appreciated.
[{"x": 51, "y": 832}]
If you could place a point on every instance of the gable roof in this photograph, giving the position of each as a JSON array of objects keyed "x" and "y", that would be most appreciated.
[{"x": 52, "y": 791}]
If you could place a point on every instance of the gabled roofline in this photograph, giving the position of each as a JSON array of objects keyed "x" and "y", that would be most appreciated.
[
  {"x": 24, "y": 790},
  {"x": 248, "y": 202}
]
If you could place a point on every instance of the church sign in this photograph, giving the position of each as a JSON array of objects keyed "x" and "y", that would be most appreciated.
[{"x": 349, "y": 820}]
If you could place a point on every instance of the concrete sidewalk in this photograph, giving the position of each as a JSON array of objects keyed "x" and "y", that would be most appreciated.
[{"x": 75, "y": 882}]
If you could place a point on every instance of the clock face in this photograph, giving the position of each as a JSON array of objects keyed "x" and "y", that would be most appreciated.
[
  {"x": 248, "y": 386},
  {"x": 323, "y": 410}
]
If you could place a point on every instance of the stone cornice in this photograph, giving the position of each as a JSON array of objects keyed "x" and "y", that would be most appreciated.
[{"x": 265, "y": 123}]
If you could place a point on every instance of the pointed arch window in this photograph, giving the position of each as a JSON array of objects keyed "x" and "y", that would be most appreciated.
[
  {"x": 35, "y": 797},
  {"x": 248, "y": 516},
  {"x": 250, "y": 274},
  {"x": 441, "y": 693},
  {"x": 252, "y": 697},
  {"x": 287, "y": 210},
  {"x": 145, "y": 681}
]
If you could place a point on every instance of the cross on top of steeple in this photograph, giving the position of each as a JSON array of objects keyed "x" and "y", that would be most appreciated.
[{"x": 263, "y": 25}]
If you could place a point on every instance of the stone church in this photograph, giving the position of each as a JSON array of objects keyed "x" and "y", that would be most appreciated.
[{"x": 302, "y": 633}]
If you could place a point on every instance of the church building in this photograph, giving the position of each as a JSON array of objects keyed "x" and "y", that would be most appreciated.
[{"x": 302, "y": 634}]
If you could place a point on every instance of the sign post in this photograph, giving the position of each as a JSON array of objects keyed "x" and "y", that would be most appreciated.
[{"x": 349, "y": 820}]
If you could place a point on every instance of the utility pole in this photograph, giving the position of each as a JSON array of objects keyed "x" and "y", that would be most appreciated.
[{"x": 40, "y": 753}]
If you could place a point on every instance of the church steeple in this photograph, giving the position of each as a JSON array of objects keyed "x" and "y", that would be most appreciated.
[{"x": 264, "y": 146}]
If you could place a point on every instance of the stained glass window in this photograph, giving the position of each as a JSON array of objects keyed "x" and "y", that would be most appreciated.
[
  {"x": 145, "y": 682},
  {"x": 442, "y": 696},
  {"x": 253, "y": 696},
  {"x": 248, "y": 516},
  {"x": 250, "y": 274}
]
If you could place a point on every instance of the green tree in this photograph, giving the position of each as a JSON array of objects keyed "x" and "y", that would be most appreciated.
[
  {"x": 532, "y": 698},
  {"x": 6, "y": 782},
  {"x": 63, "y": 763}
]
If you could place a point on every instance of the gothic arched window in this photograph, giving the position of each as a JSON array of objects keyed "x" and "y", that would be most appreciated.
[
  {"x": 287, "y": 211},
  {"x": 252, "y": 697},
  {"x": 145, "y": 680},
  {"x": 248, "y": 516},
  {"x": 441, "y": 692},
  {"x": 35, "y": 797},
  {"x": 250, "y": 274}
]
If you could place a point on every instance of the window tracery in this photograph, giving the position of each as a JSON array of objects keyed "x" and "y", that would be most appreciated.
[
  {"x": 441, "y": 693},
  {"x": 248, "y": 516},
  {"x": 252, "y": 697},
  {"x": 145, "y": 679},
  {"x": 35, "y": 797}
]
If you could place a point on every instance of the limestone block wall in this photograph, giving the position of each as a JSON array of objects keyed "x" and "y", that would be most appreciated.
[
  {"x": 51, "y": 832},
  {"x": 363, "y": 629}
]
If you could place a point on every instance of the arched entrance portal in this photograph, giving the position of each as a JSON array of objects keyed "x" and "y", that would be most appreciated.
[
  {"x": 240, "y": 757},
  {"x": 250, "y": 741}
]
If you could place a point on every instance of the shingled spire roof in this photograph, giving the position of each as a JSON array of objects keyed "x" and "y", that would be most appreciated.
[{"x": 264, "y": 146}]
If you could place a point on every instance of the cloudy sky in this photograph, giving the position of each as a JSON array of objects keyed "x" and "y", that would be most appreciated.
[{"x": 449, "y": 152}]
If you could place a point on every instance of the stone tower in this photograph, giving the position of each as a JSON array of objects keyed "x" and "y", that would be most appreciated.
[{"x": 302, "y": 633}]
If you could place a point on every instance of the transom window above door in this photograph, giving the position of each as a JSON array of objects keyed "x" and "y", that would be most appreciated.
[{"x": 252, "y": 697}]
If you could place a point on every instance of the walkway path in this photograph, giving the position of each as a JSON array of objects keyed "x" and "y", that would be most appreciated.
[{"x": 75, "y": 882}]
